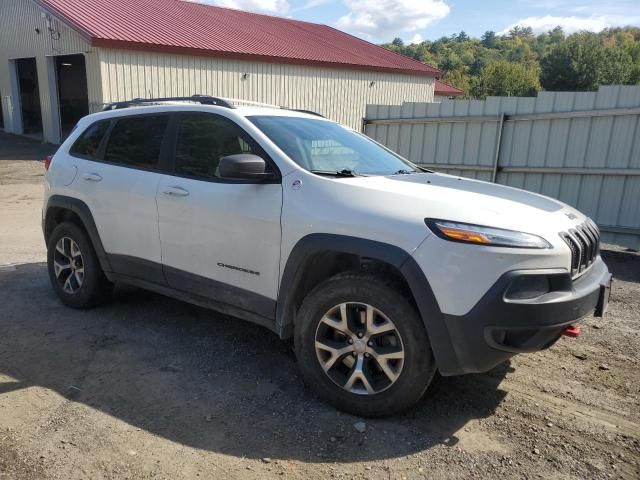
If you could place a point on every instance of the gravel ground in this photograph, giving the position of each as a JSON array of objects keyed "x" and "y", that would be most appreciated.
[{"x": 149, "y": 387}]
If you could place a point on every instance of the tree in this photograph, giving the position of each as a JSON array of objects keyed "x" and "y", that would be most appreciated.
[
  {"x": 618, "y": 67},
  {"x": 556, "y": 35},
  {"x": 450, "y": 62},
  {"x": 521, "y": 53},
  {"x": 462, "y": 37},
  {"x": 489, "y": 39},
  {"x": 583, "y": 63},
  {"x": 460, "y": 79},
  {"x": 520, "y": 32},
  {"x": 503, "y": 78}
]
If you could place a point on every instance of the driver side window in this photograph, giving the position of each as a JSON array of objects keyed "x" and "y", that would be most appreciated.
[{"x": 202, "y": 140}]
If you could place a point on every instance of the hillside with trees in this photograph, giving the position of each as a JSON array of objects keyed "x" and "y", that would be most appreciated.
[{"x": 521, "y": 63}]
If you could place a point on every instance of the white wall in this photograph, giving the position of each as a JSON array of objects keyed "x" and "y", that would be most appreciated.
[
  {"x": 19, "y": 39},
  {"x": 338, "y": 94}
]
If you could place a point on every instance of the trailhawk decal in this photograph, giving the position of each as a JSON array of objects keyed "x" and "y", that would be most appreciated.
[{"x": 240, "y": 269}]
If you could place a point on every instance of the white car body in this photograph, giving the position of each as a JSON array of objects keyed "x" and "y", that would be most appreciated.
[{"x": 242, "y": 235}]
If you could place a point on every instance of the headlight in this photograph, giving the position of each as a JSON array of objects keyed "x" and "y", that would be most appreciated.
[{"x": 480, "y": 235}]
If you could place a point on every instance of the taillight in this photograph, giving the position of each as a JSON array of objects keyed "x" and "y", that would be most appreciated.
[{"x": 47, "y": 161}]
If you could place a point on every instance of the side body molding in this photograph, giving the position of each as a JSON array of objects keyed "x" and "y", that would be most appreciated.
[
  {"x": 82, "y": 211},
  {"x": 317, "y": 243}
]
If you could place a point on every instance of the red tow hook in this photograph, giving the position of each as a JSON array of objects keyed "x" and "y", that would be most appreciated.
[{"x": 572, "y": 331}]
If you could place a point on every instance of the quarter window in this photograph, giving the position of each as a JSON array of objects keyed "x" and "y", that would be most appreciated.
[
  {"x": 88, "y": 144},
  {"x": 203, "y": 139},
  {"x": 136, "y": 141}
]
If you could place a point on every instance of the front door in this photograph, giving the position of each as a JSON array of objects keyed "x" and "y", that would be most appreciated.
[{"x": 220, "y": 239}]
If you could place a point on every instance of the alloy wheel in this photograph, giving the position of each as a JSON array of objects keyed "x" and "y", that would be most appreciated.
[
  {"x": 359, "y": 348},
  {"x": 68, "y": 265}
]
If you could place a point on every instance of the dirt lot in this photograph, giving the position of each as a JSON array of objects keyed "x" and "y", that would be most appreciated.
[{"x": 149, "y": 387}]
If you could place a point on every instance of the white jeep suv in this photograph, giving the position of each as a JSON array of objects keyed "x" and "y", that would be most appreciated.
[{"x": 382, "y": 272}]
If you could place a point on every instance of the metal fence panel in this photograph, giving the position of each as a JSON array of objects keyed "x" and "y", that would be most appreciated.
[{"x": 580, "y": 147}]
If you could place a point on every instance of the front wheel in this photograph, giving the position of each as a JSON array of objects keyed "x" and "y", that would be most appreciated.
[{"x": 362, "y": 346}]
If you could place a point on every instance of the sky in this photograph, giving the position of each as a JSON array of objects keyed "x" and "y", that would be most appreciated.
[{"x": 416, "y": 20}]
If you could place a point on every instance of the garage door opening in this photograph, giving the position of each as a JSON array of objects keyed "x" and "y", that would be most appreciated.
[
  {"x": 29, "y": 96},
  {"x": 73, "y": 97}
]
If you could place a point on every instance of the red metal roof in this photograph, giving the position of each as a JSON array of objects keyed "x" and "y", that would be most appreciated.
[
  {"x": 446, "y": 90},
  {"x": 178, "y": 26}
]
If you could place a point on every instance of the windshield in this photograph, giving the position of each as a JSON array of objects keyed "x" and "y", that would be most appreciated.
[{"x": 325, "y": 147}]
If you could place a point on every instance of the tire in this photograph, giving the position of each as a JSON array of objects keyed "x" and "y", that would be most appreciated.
[
  {"x": 86, "y": 290},
  {"x": 374, "y": 393}
]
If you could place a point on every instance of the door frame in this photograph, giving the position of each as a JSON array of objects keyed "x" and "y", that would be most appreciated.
[
  {"x": 15, "y": 108},
  {"x": 54, "y": 101}
]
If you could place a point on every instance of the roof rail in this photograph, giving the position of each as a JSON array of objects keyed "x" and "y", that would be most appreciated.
[
  {"x": 239, "y": 101},
  {"x": 202, "y": 99},
  {"x": 251, "y": 103},
  {"x": 310, "y": 112}
]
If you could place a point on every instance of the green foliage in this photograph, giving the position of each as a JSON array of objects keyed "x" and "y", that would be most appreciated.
[
  {"x": 489, "y": 39},
  {"x": 521, "y": 63},
  {"x": 507, "y": 79},
  {"x": 583, "y": 62}
]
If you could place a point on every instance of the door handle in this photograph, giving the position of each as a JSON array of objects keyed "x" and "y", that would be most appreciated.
[
  {"x": 175, "y": 192},
  {"x": 92, "y": 177}
]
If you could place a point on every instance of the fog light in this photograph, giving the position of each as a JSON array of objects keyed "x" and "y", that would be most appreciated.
[{"x": 528, "y": 286}]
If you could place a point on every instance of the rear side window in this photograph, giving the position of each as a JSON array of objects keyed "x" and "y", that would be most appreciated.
[
  {"x": 203, "y": 139},
  {"x": 88, "y": 144},
  {"x": 136, "y": 141}
]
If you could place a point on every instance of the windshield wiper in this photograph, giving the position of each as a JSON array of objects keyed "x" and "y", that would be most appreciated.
[
  {"x": 345, "y": 172},
  {"x": 405, "y": 172}
]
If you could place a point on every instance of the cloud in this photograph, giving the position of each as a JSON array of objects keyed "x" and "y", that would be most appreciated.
[
  {"x": 385, "y": 18},
  {"x": 271, "y": 6},
  {"x": 313, "y": 4},
  {"x": 569, "y": 24},
  {"x": 417, "y": 38}
]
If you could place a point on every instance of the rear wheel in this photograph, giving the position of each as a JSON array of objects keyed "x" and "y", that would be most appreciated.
[
  {"x": 362, "y": 346},
  {"x": 74, "y": 269}
]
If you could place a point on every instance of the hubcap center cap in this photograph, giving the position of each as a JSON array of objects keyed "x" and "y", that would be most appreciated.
[{"x": 359, "y": 345}]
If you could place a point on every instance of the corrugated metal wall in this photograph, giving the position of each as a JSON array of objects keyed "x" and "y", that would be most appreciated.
[
  {"x": 19, "y": 20},
  {"x": 582, "y": 148},
  {"x": 338, "y": 94}
]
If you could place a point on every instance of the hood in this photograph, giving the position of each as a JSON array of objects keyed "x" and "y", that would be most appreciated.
[{"x": 447, "y": 197}]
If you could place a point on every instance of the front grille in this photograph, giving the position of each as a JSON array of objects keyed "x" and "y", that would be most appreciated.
[{"x": 584, "y": 243}]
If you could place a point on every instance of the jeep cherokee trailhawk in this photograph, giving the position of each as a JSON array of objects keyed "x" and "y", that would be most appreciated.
[{"x": 380, "y": 271}]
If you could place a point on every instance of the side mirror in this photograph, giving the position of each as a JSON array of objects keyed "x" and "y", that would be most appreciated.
[{"x": 244, "y": 166}]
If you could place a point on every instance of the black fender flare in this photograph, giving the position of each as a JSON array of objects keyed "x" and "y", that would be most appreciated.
[
  {"x": 313, "y": 244},
  {"x": 86, "y": 217}
]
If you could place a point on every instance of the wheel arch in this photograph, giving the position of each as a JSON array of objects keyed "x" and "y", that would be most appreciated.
[
  {"x": 61, "y": 208},
  {"x": 315, "y": 247}
]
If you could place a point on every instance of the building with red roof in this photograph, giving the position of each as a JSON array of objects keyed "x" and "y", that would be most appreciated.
[
  {"x": 60, "y": 59},
  {"x": 444, "y": 91}
]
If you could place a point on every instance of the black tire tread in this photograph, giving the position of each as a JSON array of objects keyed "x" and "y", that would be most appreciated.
[
  {"x": 407, "y": 391},
  {"x": 96, "y": 288}
]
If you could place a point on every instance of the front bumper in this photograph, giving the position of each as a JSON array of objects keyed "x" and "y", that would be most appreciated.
[{"x": 498, "y": 327}]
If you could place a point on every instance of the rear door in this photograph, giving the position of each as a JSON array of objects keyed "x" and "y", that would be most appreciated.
[
  {"x": 119, "y": 182},
  {"x": 220, "y": 239}
]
